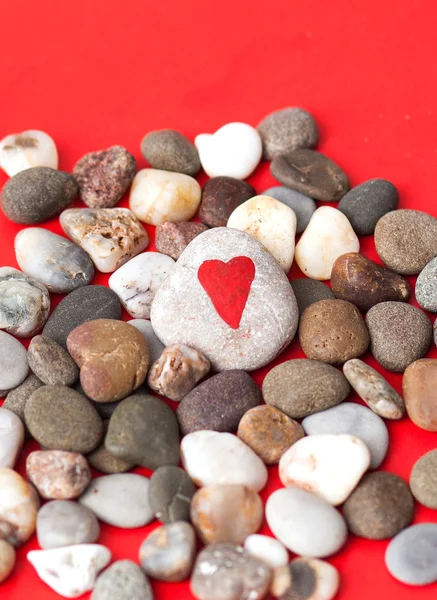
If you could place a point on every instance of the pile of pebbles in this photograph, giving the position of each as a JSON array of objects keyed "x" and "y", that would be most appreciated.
[{"x": 211, "y": 304}]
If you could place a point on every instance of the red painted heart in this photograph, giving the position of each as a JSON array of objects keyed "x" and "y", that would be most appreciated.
[{"x": 228, "y": 286}]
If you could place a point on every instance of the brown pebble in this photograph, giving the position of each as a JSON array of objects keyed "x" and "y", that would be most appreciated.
[
  {"x": 423, "y": 480},
  {"x": 220, "y": 197},
  {"x": 58, "y": 475},
  {"x": 7, "y": 560},
  {"x": 419, "y": 386},
  {"x": 50, "y": 362},
  {"x": 173, "y": 238}
]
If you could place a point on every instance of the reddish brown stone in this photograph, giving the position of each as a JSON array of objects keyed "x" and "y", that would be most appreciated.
[
  {"x": 58, "y": 475},
  {"x": 220, "y": 197},
  {"x": 173, "y": 238},
  {"x": 420, "y": 393}
]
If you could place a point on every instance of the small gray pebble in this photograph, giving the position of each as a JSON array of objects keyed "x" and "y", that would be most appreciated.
[
  {"x": 123, "y": 580},
  {"x": 13, "y": 363},
  {"x": 287, "y": 129},
  {"x": 171, "y": 151},
  {"x": 426, "y": 287},
  {"x": 423, "y": 480},
  {"x": 50, "y": 362},
  {"x": 155, "y": 345},
  {"x": 308, "y": 291},
  {"x": 411, "y": 556},
  {"x": 65, "y": 523},
  {"x": 303, "y": 206},
  {"x": 170, "y": 493}
]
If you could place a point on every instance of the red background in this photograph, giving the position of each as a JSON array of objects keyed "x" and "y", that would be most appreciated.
[{"x": 97, "y": 73}]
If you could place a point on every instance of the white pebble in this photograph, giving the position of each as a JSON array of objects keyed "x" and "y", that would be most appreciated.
[
  {"x": 11, "y": 438},
  {"x": 323, "y": 577},
  {"x": 32, "y": 148},
  {"x": 267, "y": 549}
]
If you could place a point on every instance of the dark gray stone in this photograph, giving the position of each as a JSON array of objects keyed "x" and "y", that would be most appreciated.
[
  {"x": 288, "y": 129},
  {"x": 170, "y": 493},
  {"x": 50, "y": 362},
  {"x": 303, "y": 206},
  {"x": 308, "y": 291},
  {"x": 171, "y": 151}
]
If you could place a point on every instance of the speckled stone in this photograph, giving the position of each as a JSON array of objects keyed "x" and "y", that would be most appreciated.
[
  {"x": 308, "y": 291},
  {"x": 287, "y": 129},
  {"x": 170, "y": 493},
  {"x": 17, "y": 398},
  {"x": 423, "y": 479},
  {"x": 66, "y": 523},
  {"x": 155, "y": 345},
  {"x": 123, "y": 580},
  {"x": 172, "y": 238},
  {"x": 411, "y": 556},
  {"x": 419, "y": 386},
  {"x": 302, "y": 206},
  {"x": 312, "y": 579},
  {"x": 426, "y": 287},
  {"x": 50, "y": 362},
  {"x": 18, "y": 507},
  {"x": 169, "y": 150},
  {"x": 13, "y": 363},
  {"x": 7, "y": 559},
  {"x": 57, "y": 474},
  {"x": 105, "y": 462},
  {"x": 220, "y": 197}
]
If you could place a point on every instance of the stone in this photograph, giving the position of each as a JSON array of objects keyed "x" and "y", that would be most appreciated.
[
  {"x": 374, "y": 390},
  {"x": 72, "y": 570},
  {"x": 105, "y": 409},
  {"x": 411, "y": 555},
  {"x": 17, "y": 398},
  {"x": 270, "y": 222},
  {"x": 177, "y": 371},
  {"x": 220, "y": 197},
  {"x": 50, "y": 362},
  {"x": 110, "y": 236},
  {"x": 159, "y": 196},
  {"x": 59, "y": 418},
  {"x": 333, "y": 331},
  {"x": 267, "y": 549},
  {"x": 288, "y": 129},
  {"x": 51, "y": 259},
  {"x": 113, "y": 358},
  {"x": 312, "y": 579},
  {"x": 155, "y": 345},
  {"x": 13, "y": 363},
  {"x": 234, "y": 150},
  {"x": 212, "y": 458},
  {"x": 236, "y": 299},
  {"x": 120, "y": 500},
  {"x": 167, "y": 554},
  {"x": 328, "y": 235},
  {"x": 169, "y": 150},
  {"x": 406, "y": 240},
  {"x": 105, "y": 462},
  {"x": 308, "y": 291},
  {"x": 37, "y": 195},
  {"x": 57, "y": 474},
  {"x": 18, "y": 508},
  {"x": 172, "y": 238},
  {"x": 355, "y": 420},
  {"x": 399, "y": 334},
  {"x": 123, "y": 580},
  {"x": 281, "y": 581},
  {"x": 419, "y": 386},
  {"x": 105, "y": 176},
  {"x": 11, "y": 438},
  {"x": 81, "y": 305},
  {"x": 218, "y": 403},
  {"x": 359, "y": 280},
  {"x": 426, "y": 287},
  {"x": 32, "y": 148},
  {"x": 423, "y": 479},
  {"x": 268, "y": 432},
  {"x": 7, "y": 560},
  {"x": 66, "y": 523},
  {"x": 302, "y": 206},
  {"x": 170, "y": 493}
]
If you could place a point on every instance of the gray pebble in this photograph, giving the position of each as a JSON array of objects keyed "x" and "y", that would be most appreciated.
[
  {"x": 423, "y": 480},
  {"x": 13, "y": 363},
  {"x": 426, "y": 287},
  {"x": 123, "y": 580},
  {"x": 50, "y": 362},
  {"x": 287, "y": 129},
  {"x": 155, "y": 345},
  {"x": 303, "y": 206},
  {"x": 16, "y": 399},
  {"x": 170, "y": 493},
  {"x": 65, "y": 523},
  {"x": 169, "y": 150},
  {"x": 308, "y": 291},
  {"x": 411, "y": 557},
  {"x": 104, "y": 462}
]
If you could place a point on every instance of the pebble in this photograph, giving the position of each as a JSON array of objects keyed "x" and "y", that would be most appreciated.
[
  {"x": 32, "y": 148},
  {"x": 72, "y": 570},
  {"x": 59, "y": 418},
  {"x": 144, "y": 430},
  {"x": 105, "y": 176},
  {"x": 228, "y": 572},
  {"x": 155, "y": 345},
  {"x": 423, "y": 479},
  {"x": 159, "y": 196},
  {"x": 374, "y": 390},
  {"x": 406, "y": 240},
  {"x": 18, "y": 507},
  {"x": 364, "y": 283},
  {"x": 24, "y": 303},
  {"x": 57, "y": 474},
  {"x": 66, "y": 523},
  {"x": 328, "y": 235},
  {"x": 426, "y": 287},
  {"x": 120, "y": 500},
  {"x": 234, "y": 150},
  {"x": 7, "y": 560},
  {"x": 411, "y": 555},
  {"x": 419, "y": 386},
  {"x": 218, "y": 403},
  {"x": 50, "y": 362},
  {"x": 38, "y": 194},
  {"x": 267, "y": 549},
  {"x": 169, "y": 150},
  {"x": 236, "y": 299},
  {"x": 105, "y": 462},
  {"x": 137, "y": 282},
  {"x": 177, "y": 371},
  {"x": 305, "y": 523},
  {"x": 170, "y": 493},
  {"x": 81, "y": 305},
  {"x": 270, "y": 222},
  {"x": 355, "y": 420},
  {"x": 308, "y": 291},
  {"x": 288, "y": 129},
  {"x": 399, "y": 334},
  {"x": 212, "y": 458},
  {"x": 123, "y": 580},
  {"x": 268, "y": 432},
  {"x": 113, "y": 358},
  {"x": 312, "y": 579},
  {"x": 167, "y": 554},
  {"x": 54, "y": 261},
  {"x": 220, "y": 197},
  {"x": 11, "y": 438},
  {"x": 13, "y": 363},
  {"x": 302, "y": 206},
  {"x": 17, "y": 398},
  {"x": 172, "y": 238},
  {"x": 110, "y": 236}
]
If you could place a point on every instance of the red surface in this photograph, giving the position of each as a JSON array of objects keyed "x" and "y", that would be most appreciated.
[{"x": 94, "y": 74}]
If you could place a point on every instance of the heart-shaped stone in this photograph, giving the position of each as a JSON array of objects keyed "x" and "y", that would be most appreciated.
[{"x": 20, "y": 151}]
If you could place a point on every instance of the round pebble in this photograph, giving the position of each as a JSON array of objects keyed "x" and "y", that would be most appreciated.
[
  {"x": 155, "y": 345},
  {"x": 308, "y": 291},
  {"x": 50, "y": 362},
  {"x": 286, "y": 130},
  {"x": 13, "y": 363},
  {"x": 172, "y": 238},
  {"x": 7, "y": 560},
  {"x": 123, "y": 580},
  {"x": 57, "y": 474},
  {"x": 220, "y": 197},
  {"x": 419, "y": 386},
  {"x": 32, "y": 148},
  {"x": 426, "y": 287},
  {"x": 18, "y": 507},
  {"x": 66, "y": 523},
  {"x": 170, "y": 493},
  {"x": 312, "y": 579},
  {"x": 302, "y": 206},
  {"x": 423, "y": 479},
  {"x": 411, "y": 555},
  {"x": 11, "y": 438},
  {"x": 17, "y": 398},
  {"x": 169, "y": 150},
  {"x": 267, "y": 549}
]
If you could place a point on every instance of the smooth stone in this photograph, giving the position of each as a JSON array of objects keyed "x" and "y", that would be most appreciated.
[
  {"x": 312, "y": 579},
  {"x": 252, "y": 315},
  {"x": 308, "y": 291},
  {"x": 419, "y": 386},
  {"x": 57, "y": 474},
  {"x": 302, "y": 206},
  {"x": 110, "y": 236},
  {"x": 51, "y": 259},
  {"x": 59, "y": 418},
  {"x": 426, "y": 287},
  {"x": 234, "y": 150},
  {"x": 169, "y": 150},
  {"x": 123, "y": 580},
  {"x": 406, "y": 240},
  {"x": 267, "y": 549},
  {"x": 105, "y": 462},
  {"x": 105, "y": 176},
  {"x": 81, "y": 305},
  {"x": 13, "y": 363},
  {"x": 167, "y": 554},
  {"x": 333, "y": 331},
  {"x": 120, "y": 500},
  {"x": 18, "y": 507},
  {"x": 212, "y": 458},
  {"x": 220, "y": 197},
  {"x": 411, "y": 555},
  {"x": 72, "y": 570},
  {"x": 172, "y": 238},
  {"x": 155, "y": 345},
  {"x": 170, "y": 493},
  {"x": 328, "y": 235},
  {"x": 288, "y": 129},
  {"x": 38, "y": 194},
  {"x": 17, "y": 398},
  {"x": 7, "y": 560},
  {"x": 305, "y": 523},
  {"x": 374, "y": 390},
  {"x": 159, "y": 196},
  {"x": 423, "y": 479},
  {"x": 11, "y": 438},
  {"x": 399, "y": 334},
  {"x": 65, "y": 523},
  {"x": 50, "y": 362},
  {"x": 270, "y": 222},
  {"x": 24, "y": 303},
  {"x": 32, "y": 148},
  {"x": 359, "y": 280},
  {"x": 218, "y": 403},
  {"x": 355, "y": 420}
]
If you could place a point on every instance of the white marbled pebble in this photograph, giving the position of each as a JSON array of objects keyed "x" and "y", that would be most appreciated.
[
  {"x": 267, "y": 549},
  {"x": 11, "y": 438},
  {"x": 32, "y": 148},
  {"x": 155, "y": 345}
]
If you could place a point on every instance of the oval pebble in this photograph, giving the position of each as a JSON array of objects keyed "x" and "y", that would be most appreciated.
[
  {"x": 423, "y": 479},
  {"x": 411, "y": 557},
  {"x": 18, "y": 507},
  {"x": 170, "y": 493},
  {"x": 50, "y": 362},
  {"x": 169, "y": 150},
  {"x": 419, "y": 386},
  {"x": 11, "y": 438},
  {"x": 7, "y": 559},
  {"x": 32, "y": 148},
  {"x": 172, "y": 238},
  {"x": 123, "y": 580},
  {"x": 287, "y": 129},
  {"x": 13, "y": 363},
  {"x": 426, "y": 287},
  {"x": 267, "y": 549},
  {"x": 155, "y": 345},
  {"x": 66, "y": 523},
  {"x": 220, "y": 197},
  {"x": 312, "y": 579},
  {"x": 308, "y": 291},
  {"x": 302, "y": 206},
  {"x": 57, "y": 474}
]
